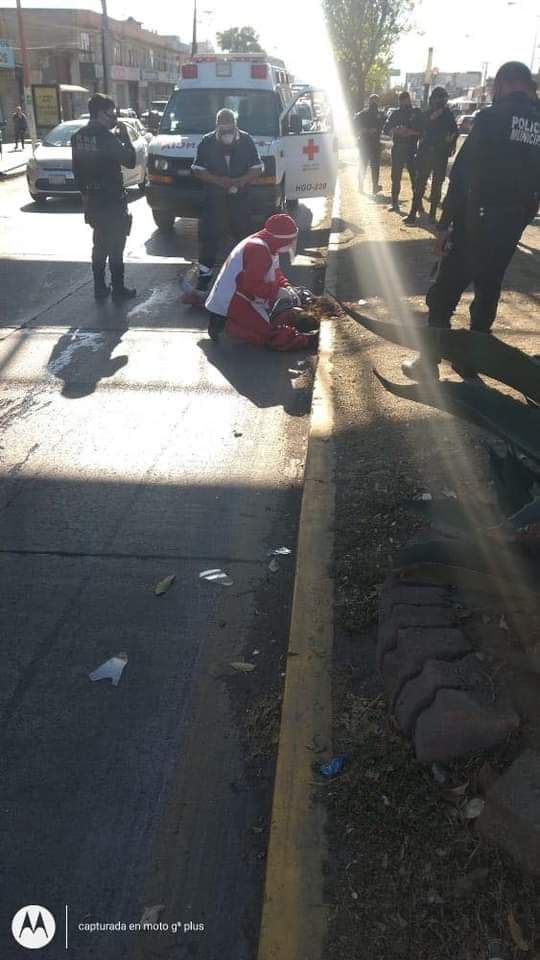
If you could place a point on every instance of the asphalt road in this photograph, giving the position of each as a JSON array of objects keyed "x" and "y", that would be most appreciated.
[{"x": 131, "y": 448}]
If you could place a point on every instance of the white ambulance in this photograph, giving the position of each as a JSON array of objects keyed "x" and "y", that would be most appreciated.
[{"x": 293, "y": 133}]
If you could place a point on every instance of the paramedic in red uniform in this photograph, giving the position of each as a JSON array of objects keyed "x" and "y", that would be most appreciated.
[
  {"x": 227, "y": 162},
  {"x": 246, "y": 297}
]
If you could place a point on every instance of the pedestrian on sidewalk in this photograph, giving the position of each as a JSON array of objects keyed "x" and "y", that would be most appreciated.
[
  {"x": 405, "y": 125},
  {"x": 368, "y": 125},
  {"x": 437, "y": 143},
  {"x": 494, "y": 192},
  {"x": 20, "y": 126},
  {"x": 100, "y": 149},
  {"x": 248, "y": 295},
  {"x": 227, "y": 162}
]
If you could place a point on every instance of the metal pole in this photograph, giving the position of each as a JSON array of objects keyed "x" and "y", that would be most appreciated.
[
  {"x": 105, "y": 44},
  {"x": 194, "y": 37},
  {"x": 27, "y": 80},
  {"x": 535, "y": 44},
  {"x": 428, "y": 76}
]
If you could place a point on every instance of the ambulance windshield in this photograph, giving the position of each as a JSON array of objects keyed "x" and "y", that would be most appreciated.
[{"x": 194, "y": 111}]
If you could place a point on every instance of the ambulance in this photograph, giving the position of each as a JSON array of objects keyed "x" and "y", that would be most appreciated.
[{"x": 292, "y": 130}]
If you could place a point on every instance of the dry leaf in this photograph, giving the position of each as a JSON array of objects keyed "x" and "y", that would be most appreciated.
[
  {"x": 517, "y": 934},
  {"x": 164, "y": 585},
  {"x": 474, "y": 808},
  {"x": 151, "y": 914},
  {"x": 242, "y": 666}
]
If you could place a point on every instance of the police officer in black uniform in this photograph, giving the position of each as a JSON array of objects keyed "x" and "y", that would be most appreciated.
[
  {"x": 369, "y": 124},
  {"x": 494, "y": 193},
  {"x": 227, "y": 161},
  {"x": 405, "y": 126},
  {"x": 98, "y": 158},
  {"x": 438, "y": 141}
]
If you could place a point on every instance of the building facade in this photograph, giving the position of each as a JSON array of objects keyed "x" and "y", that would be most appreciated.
[
  {"x": 456, "y": 84},
  {"x": 66, "y": 47}
]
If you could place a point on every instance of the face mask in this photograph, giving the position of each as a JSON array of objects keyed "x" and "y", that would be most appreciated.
[{"x": 289, "y": 249}]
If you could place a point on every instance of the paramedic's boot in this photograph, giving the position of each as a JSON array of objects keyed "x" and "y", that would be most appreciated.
[
  {"x": 421, "y": 369},
  {"x": 216, "y": 325},
  {"x": 394, "y": 206},
  {"x": 204, "y": 279}
]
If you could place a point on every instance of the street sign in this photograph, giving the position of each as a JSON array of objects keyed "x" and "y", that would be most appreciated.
[{"x": 7, "y": 55}]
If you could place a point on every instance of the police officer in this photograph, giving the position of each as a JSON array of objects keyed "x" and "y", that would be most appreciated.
[
  {"x": 98, "y": 158},
  {"x": 405, "y": 125},
  {"x": 368, "y": 125},
  {"x": 494, "y": 192},
  {"x": 437, "y": 142},
  {"x": 227, "y": 161}
]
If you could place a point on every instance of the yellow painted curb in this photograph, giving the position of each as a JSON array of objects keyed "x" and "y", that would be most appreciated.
[{"x": 295, "y": 915}]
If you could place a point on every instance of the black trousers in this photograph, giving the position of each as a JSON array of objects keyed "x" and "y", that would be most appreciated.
[
  {"x": 222, "y": 214},
  {"x": 369, "y": 157},
  {"x": 434, "y": 165},
  {"x": 110, "y": 232},
  {"x": 400, "y": 160},
  {"x": 19, "y": 138},
  {"x": 481, "y": 248}
]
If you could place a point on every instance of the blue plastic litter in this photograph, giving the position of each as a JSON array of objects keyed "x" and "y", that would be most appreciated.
[{"x": 333, "y": 767}]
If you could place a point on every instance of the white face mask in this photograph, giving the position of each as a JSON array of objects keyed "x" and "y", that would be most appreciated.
[{"x": 289, "y": 249}]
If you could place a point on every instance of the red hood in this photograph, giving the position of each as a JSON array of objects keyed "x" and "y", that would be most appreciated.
[{"x": 271, "y": 241}]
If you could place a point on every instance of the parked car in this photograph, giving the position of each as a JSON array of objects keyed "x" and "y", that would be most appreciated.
[
  {"x": 465, "y": 123},
  {"x": 50, "y": 174}
]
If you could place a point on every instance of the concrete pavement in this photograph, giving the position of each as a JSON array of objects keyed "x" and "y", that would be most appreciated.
[{"x": 132, "y": 449}]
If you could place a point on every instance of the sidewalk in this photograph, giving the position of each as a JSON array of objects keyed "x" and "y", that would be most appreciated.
[
  {"x": 408, "y": 877},
  {"x": 13, "y": 162}
]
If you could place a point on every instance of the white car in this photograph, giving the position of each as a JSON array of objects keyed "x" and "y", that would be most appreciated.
[{"x": 50, "y": 174}]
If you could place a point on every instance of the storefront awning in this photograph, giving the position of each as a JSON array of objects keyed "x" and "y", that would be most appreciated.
[{"x": 72, "y": 88}]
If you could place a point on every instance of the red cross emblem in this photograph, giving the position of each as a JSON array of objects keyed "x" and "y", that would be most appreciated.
[{"x": 310, "y": 150}]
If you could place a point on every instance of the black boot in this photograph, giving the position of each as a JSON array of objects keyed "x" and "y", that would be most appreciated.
[
  {"x": 119, "y": 290},
  {"x": 216, "y": 325},
  {"x": 101, "y": 290}
]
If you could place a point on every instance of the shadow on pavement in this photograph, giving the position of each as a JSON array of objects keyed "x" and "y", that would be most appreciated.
[
  {"x": 267, "y": 379},
  {"x": 80, "y": 359}
]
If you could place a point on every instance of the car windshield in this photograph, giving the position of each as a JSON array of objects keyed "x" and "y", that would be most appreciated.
[
  {"x": 62, "y": 134},
  {"x": 194, "y": 111}
]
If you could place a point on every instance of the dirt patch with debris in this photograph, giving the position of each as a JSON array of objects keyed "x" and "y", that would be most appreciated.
[{"x": 408, "y": 875}]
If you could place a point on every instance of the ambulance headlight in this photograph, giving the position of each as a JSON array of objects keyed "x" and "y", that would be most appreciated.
[{"x": 162, "y": 163}]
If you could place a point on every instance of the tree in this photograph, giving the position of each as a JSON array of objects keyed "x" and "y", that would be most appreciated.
[
  {"x": 363, "y": 34},
  {"x": 240, "y": 40}
]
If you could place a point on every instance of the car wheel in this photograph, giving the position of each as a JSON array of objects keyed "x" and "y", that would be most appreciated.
[
  {"x": 39, "y": 198},
  {"x": 163, "y": 221}
]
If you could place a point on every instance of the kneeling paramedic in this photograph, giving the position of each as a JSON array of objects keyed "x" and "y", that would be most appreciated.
[
  {"x": 98, "y": 158},
  {"x": 252, "y": 298}
]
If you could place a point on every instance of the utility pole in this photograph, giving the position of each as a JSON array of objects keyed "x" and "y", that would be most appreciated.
[
  {"x": 105, "y": 45},
  {"x": 27, "y": 79},
  {"x": 428, "y": 77},
  {"x": 194, "y": 37}
]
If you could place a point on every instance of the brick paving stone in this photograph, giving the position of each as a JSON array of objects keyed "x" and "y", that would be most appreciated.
[
  {"x": 419, "y": 692},
  {"x": 457, "y": 724},
  {"x": 511, "y": 816},
  {"x": 407, "y": 615},
  {"x": 414, "y": 646}
]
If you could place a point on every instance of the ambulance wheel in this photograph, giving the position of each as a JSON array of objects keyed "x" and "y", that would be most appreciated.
[
  {"x": 163, "y": 221},
  {"x": 39, "y": 198}
]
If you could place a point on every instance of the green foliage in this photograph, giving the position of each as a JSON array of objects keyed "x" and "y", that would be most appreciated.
[
  {"x": 240, "y": 40},
  {"x": 363, "y": 34}
]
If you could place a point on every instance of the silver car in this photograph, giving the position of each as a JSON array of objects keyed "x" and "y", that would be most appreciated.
[{"x": 50, "y": 174}]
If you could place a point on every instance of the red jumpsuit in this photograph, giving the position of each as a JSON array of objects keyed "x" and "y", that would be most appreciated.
[{"x": 247, "y": 288}]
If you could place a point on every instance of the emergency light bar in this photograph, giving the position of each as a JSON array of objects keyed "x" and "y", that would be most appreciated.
[
  {"x": 190, "y": 71},
  {"x": 259, "y": 71}
]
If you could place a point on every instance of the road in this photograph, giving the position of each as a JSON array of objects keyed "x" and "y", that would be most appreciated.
[{"x": 132, "y": 449}]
